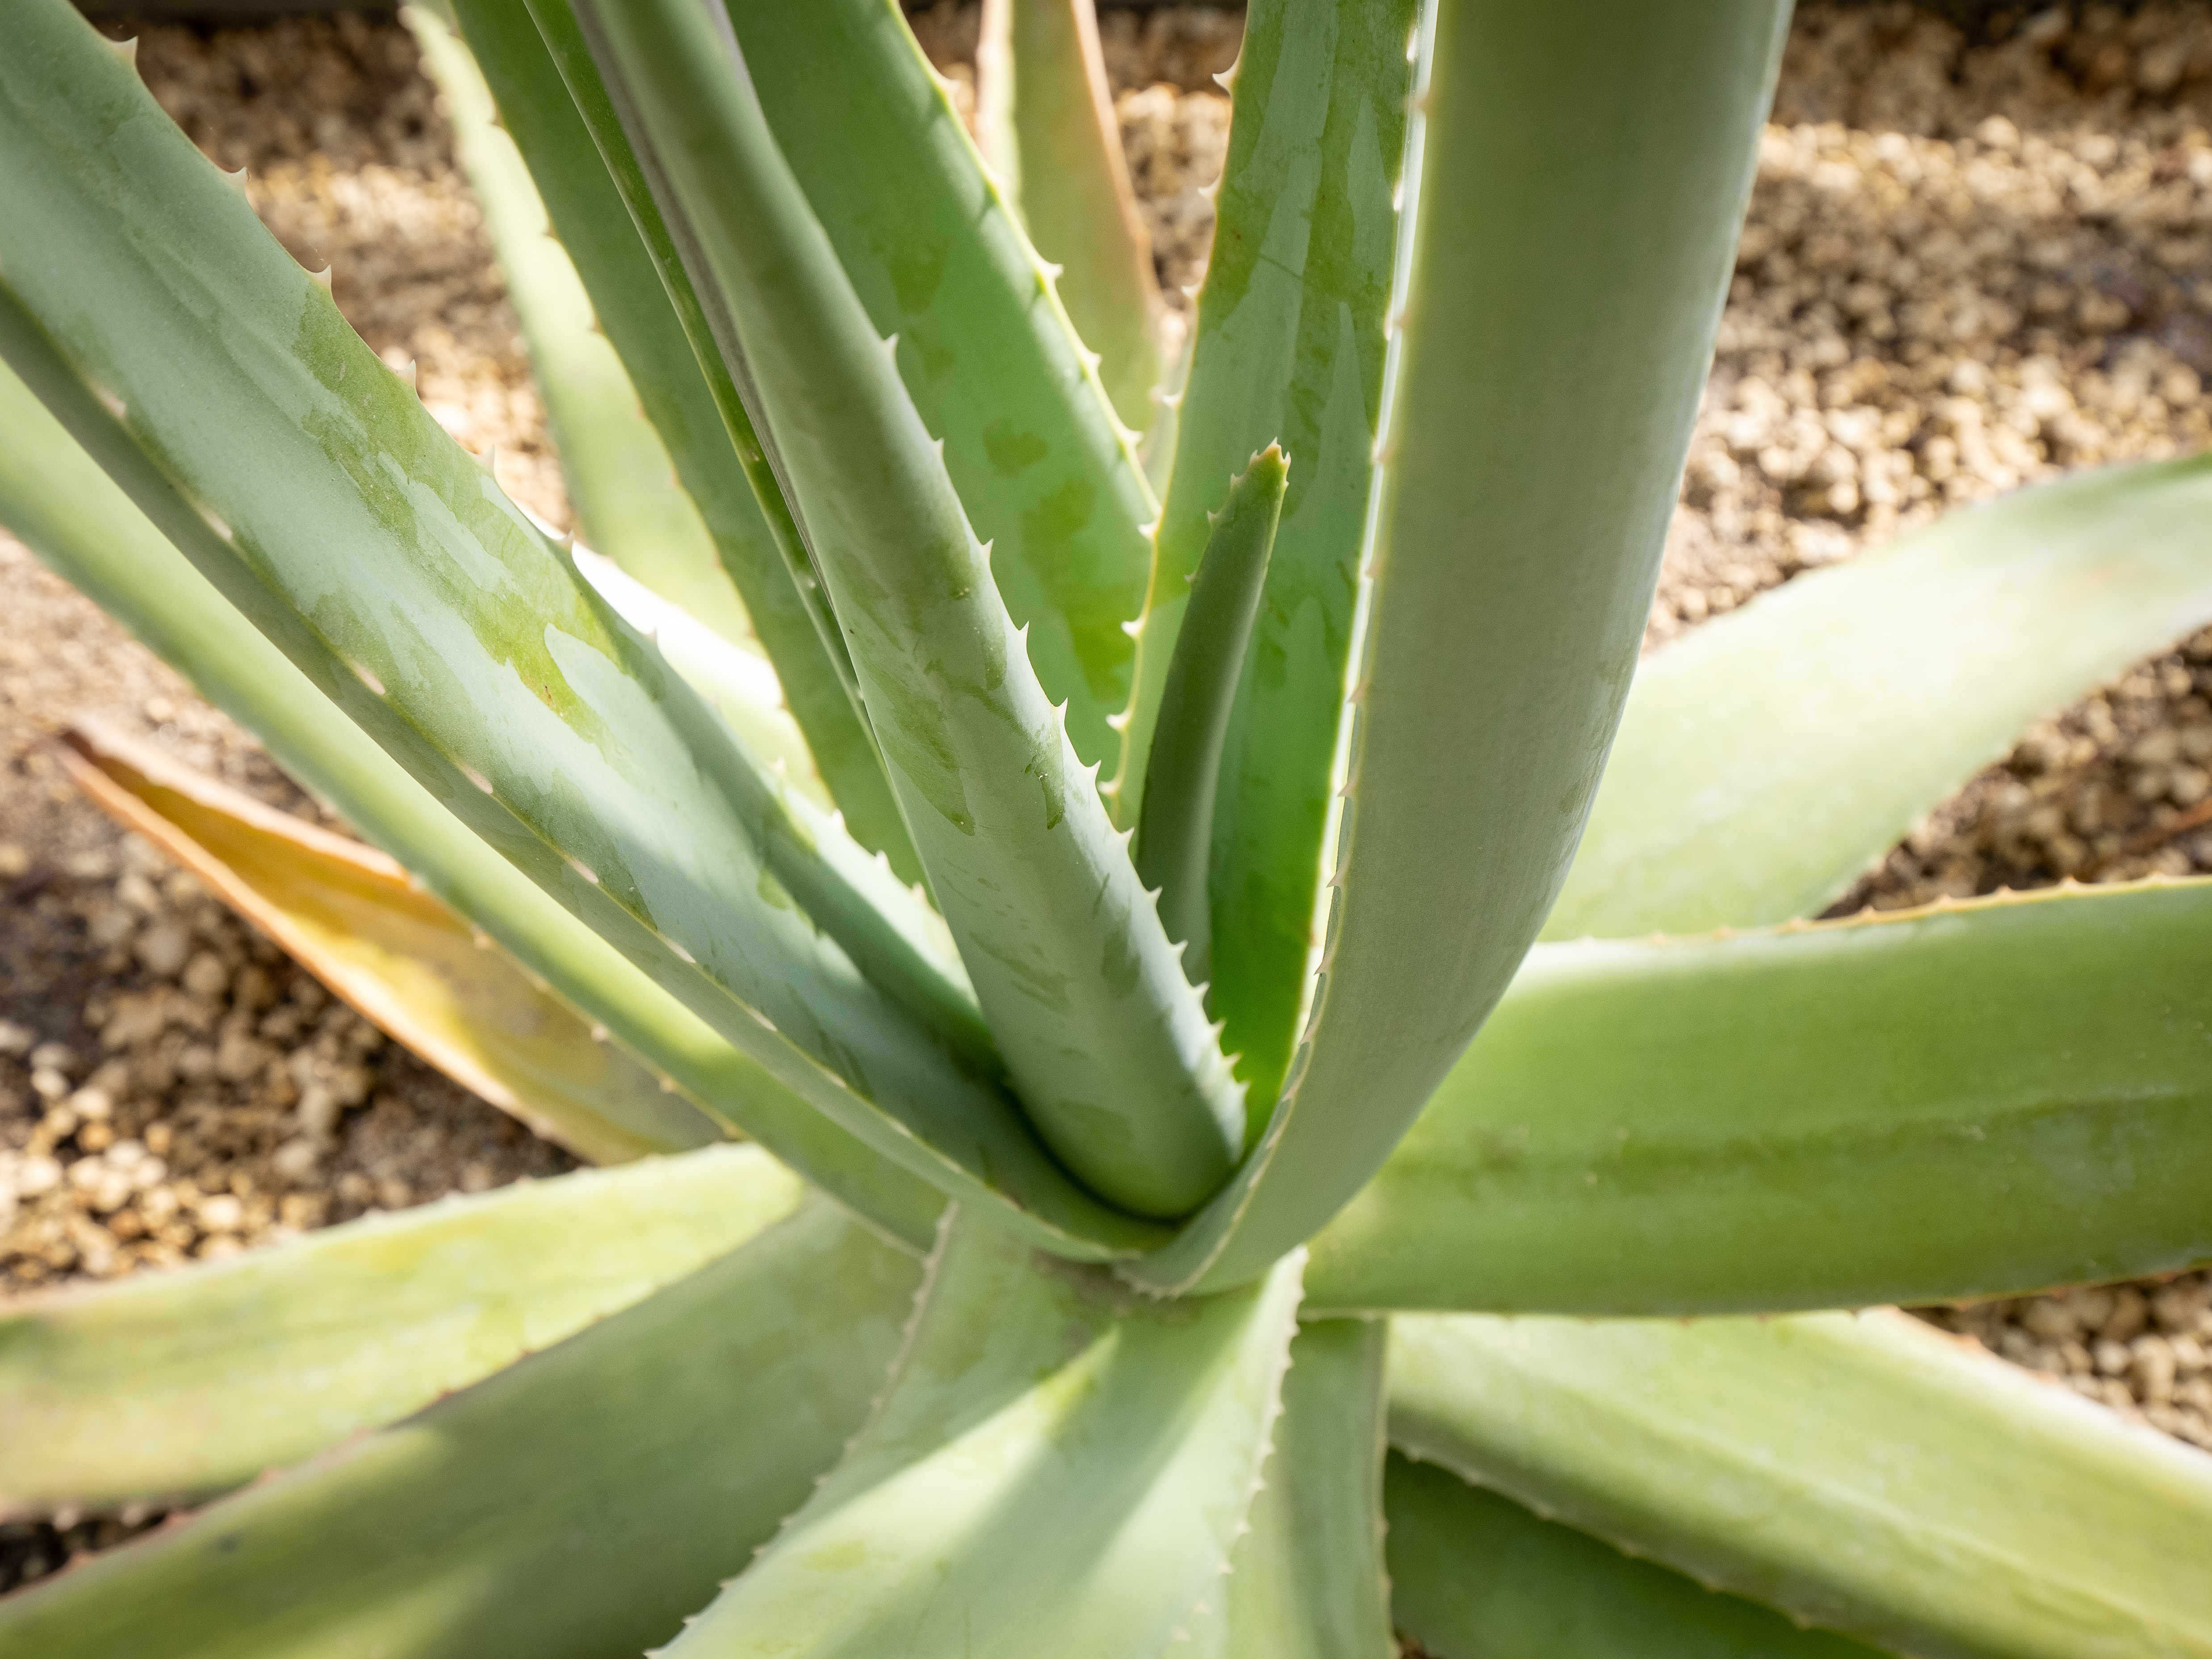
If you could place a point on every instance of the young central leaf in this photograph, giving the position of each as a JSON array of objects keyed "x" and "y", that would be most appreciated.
[
  {"x": 1174, "y": 828},
  {"x": 1106, "y": 1043}
]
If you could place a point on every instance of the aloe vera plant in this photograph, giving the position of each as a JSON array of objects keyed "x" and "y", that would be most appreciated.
[{"x": 1113, "y": 916}]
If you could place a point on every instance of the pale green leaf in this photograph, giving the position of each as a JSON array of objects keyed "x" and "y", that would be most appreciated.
[
  {"x": 575, "y": 1506},
  {"x": 1475, "y": 1575},
  {"x": 1174, "y": 831},
  {"x": 54, "y": 496},
  {"x": 1287, "y": 347},
  {"x": 1104, "y": 1038},
  {"x": 628, "y": 503},
  {"x": 1770, "y": 756},
  {"x": 1581, "y": 177},
  {"x": 551, "y": 99},
  {"x": 1044, "y": 469},
  {"x": 175, "y": 1386},
  {"x": 740, "y": 684},
  {"x": 331, "y": 508},
  {"x": 1864, "y": 1472},
  {"x": 1975, "y": 1100},
  {"x": 1306, "y": 1579},
  {"x": 1057, "y": 1464}
]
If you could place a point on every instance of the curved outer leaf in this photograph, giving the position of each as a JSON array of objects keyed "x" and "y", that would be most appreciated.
[
  {"x": 1855, "y": 699},
  {"x": 1044, "y": 469},
  {"x": 1584, "y": 169},
  {"x": 178, "y": 1385},
  {"x": 1047, "y": 126},
  {"x": 551, "y": 98},
  {"x": 376, "y": 554},
  {"x": 53, "y": 494},
  {"x": 392, "y": 952},
  {"x": 1103, "y": 1037},
  {"x": 1289, "y": 346},
  {"x": 621, "y": 483},
  {"x": 1175, "y": 834},
  {"x": 1475, "y": 1575},
  {"x": 573, "y": 1506},
  {"x": 1864, "y": 1472},
  {"x": 1047, "y": 1459},
  {"x": 1932, "y": 1105},
  {"x": 740, "y": 684},
  {"x": 1306, "y": 1579}
]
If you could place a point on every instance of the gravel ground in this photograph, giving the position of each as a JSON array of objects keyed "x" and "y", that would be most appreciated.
[{"x": 1970, "y": 263}]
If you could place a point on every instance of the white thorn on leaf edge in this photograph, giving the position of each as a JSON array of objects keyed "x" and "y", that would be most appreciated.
[
  {"x": 236, "y": 181},
  {"x": 127, "y": 50}
]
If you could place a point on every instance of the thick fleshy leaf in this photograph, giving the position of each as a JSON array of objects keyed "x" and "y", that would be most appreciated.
[
  {"x": 1055, "y": 1464},
  {"x": 1581, "y": 177},
  {"x": 175, "y": 1386},
  {"x": 1475, "y": 1575},
  {"x": 573, "y": 1506},
  {"x": 1043, "y": 468},
  {"x": 350, "y": 915},
  {"x": 1174, "y": 831},
  {"x": 1288, "y": 347},
  {"x": 600, "y": 204},
  {"x": 621, "y": 483},
  {"x": 324, "y": 501},
  {"x": 1305, "y": 362},
  {"x": 58, "y": 501},
  {"x": 740, "y": 684},
  {"x": 1046, "y": 124},
  {"x": 1306, "y": 1579},
  {"x": 1765, "y": 760},
  {"x": 551, "y": 99},
  {"x": 1103, "y": 1036},
  {"x": 1864, "y": 1472},
  {"x": 1921, "y": 1106}
]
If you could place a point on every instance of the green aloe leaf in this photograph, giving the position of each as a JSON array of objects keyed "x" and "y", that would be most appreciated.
[
  {"x": 1865, "y": 1473},
  {"x": 628, "y": 503},
  {"x": 175, "y": 1386},
  {"x": 551, "y": 99},
  {"x": 1051, "y": 1455},
  {"x": 1580, "y": 181},
  {"x": 1174, "y": 831},
  {"x": 351, "y": 916},
  {"x": 1102, "y": 1034},
  {"x": 741, "y": 684},
  {"x": 1475, "y": 1575},
  {"x": 58, "y": 500},
  {"x": 1972, "y": 1100},
  {"x": 1288, "y": 346},
  {"x": 572, "y": 1506},
  {"x": 1306, "y": 1579},
  {"x": 1047, "y": 126},
  {"x": 1045, "y": 470},
  {"x": 328, "y": 505},
  {"x": 1768, "y": 758}
]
